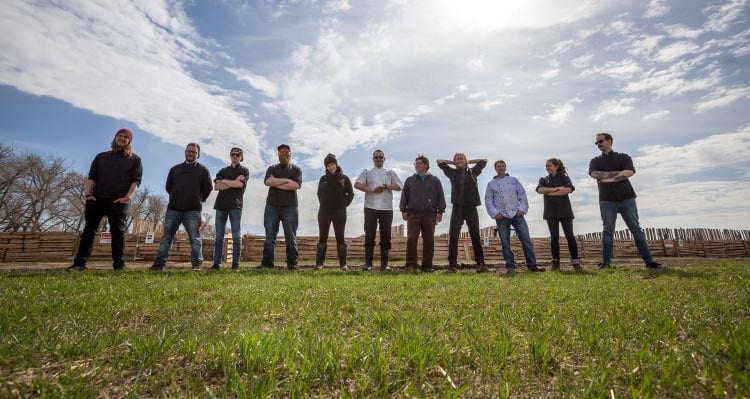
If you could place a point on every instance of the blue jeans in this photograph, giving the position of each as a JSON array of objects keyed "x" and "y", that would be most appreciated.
[
  {"x": 234, "y": 216},
  {"x": 522, "y": 231},
  {"x": 172, "y": 220},
  {"x": 629, "y": 211},
  {"x": 289, "y": 218}
]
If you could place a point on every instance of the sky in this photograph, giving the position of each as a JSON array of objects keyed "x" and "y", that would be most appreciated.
[{"x": 521, "y": 81}]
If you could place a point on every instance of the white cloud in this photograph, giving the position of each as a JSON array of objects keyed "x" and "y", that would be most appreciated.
[
  {"x": 257, "y": 82},
  {"x": 334, "y": 6},
  {"x": 675, "y": 51},
  {"x": 619, "y": 70},
  {"x": 673, "y": 80},
  {"x": 561, "y": 112},
  {"x": 644, "y": 45},
  {"x": 722, "y": 17},
  {"x": 722, "y": 97},
  {"x": 582, "y": 61},
  {"x": 655, "y": 115},
  {"x": 614, "y": 107},
  {"x": 656, "y": 8},
  {"x": 127, "y": 61},
  {"x": 680, "y": 31}
]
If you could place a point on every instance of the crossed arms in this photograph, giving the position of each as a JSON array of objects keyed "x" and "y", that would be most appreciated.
[
  {"x": 281, "y": 183},
  {"x": 611, "y": 177}
]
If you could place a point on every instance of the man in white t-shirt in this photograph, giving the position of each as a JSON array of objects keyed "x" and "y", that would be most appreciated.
[{"x": 378, "y": 185}]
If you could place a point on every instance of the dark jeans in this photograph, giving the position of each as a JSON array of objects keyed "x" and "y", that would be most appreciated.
[
  {"x": 469, "y": 214},
  {"x": 116, "y": 214},
  {"x": 335, "y": 216},
  {"x": 288, "y": 216},
  {"x": 415, "y": 225},
  {"x": 629, "y": 211},
  {"x": 192, "y": 222},
  {"x": 235, "y": 217},
  {"x": 554, "y": 236},
  {"x": 522, "y": 231},
  {"x": 373, "y": 219}
]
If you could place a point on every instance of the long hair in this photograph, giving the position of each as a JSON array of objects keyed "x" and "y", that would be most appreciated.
[
  {"x": 126, "y": 150},
  {"x": 468, "y": 169},
  {"x": 339, "y": 175},
  {"x": 561, "y": 169}
]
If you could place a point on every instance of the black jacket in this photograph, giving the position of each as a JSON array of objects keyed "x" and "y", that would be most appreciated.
[
  {"x": 422, "y": 196},
  {"x": 188, "y": 186},
  {"x": 114, "y": 173},
  {"x": 332, "y": 194},
  {"x": 466, "y": 178}
]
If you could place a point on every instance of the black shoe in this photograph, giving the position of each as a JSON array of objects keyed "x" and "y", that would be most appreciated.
[
  {"x": 653, "y": 265},
  {"x": 292, "y": 268},
  {"x": 265, "y": 265},
  {"x": 603, "y": 265},
  {"x": 535, "y": 268},
  {"x": 215, "y": 267},
  {"x": 157, "y": 267},
  {"x": 509, "y": 271},
  {"x": 577, "y": 264},
  {"x": 385, "y": 268},
  {"x": 76, "y": 268},
  {"x": 196, "y": 267},
  {"x": 235, "y": 267},
  {"x": 119, "y": 267},
  {"x": 555, "y": 264},
  {"x": 481, "y": 268},
  {"x": 451, "y": 270},
  {"x": 427, "y": 269}
]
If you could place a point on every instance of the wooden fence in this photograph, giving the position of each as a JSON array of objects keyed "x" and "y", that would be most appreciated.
[{"x": 60, "y": 247}]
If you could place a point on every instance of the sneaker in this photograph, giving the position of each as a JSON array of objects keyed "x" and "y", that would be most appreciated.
[
  {"x": 344, "y": 268},
  {"x": 215, "y": 267},
  {"x": 368, "y": 268},
  {"x": 157, "y": 267},
  {"x": 318, "y": 267},
  {"x": 603, "y": 265},
  {"x": 235, "y": 267},
  {"x": 75, "y": 268},
  {"x": 653, "y": 265},
  {"x": 535, "y": 268},
  {"x": 427, "y": 269},
  {"x": 384, "y": 268},
  {"x": 509, "y": 271},
  {"x": 196, "y": 267},
  {"x": 576, "y": 264},
  {"x": 555, "y": 264}
]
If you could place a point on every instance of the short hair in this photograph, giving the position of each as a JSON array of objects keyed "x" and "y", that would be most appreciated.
[
  {"x": 373, "y": 153},
  {"x": 500, "y": 161},
  {"x": 607, "y": 136},
  {"x": 424, "y": 160},
  {"x": 194, "y": 145}
]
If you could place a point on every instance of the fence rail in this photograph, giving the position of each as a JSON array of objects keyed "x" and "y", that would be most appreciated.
[{"x": 41, "y": 247}]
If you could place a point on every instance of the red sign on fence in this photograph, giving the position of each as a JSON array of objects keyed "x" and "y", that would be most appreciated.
[{"x": 105, "y": 237}]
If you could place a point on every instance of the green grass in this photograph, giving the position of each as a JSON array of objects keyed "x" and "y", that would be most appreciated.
[{"x": 630, "y": 332}]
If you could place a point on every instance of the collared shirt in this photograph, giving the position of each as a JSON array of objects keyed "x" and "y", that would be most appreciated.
[
  {"x": 276, "y": 196},
  {"x": 231, "y": 198},
  {"x": 114, "y": 173},
  {"x": 614, "y": 161},
  {"x": 505, "y": 195},
  {"x": 371, "y": 178}
]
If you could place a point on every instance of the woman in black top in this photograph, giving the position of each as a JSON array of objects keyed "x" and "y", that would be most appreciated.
[
  {"x": 557, "y": 210},
  {"x": 335, "y": 194}
]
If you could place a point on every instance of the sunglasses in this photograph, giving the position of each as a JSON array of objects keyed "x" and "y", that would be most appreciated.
[
  {"x": 235, "y": 154},
  {"x": 597, "y": 142},
  {"x": 378, "y": 157},
  {"x": 284, "y": 151}
]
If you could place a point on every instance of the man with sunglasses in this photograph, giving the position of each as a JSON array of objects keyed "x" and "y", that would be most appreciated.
[
  {"x": 188, "y": 185},
  {"x": 378, "y": 184},
  {"x": 230, "y": 182},
  {"x": 283, "y": 181},
  {"x": 612, "y": 171}
]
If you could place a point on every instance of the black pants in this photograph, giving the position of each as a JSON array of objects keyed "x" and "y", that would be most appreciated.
[
  {"x": 554, "y": 232},
  {"x": 469, "y": 214},
  {"x": 116, "y": 214},
  {"x": 373, "y": 220},
  {"x": 328, "y": 216},
  {"x": 415, "y": 225}
]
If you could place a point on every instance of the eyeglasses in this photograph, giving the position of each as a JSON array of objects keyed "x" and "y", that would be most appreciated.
[
  {"x": 191, "y": 152},
  {"x": 235, "y": 154},
  {"x": 378, "y": 157},
  {"x": 284, "y": 151},
  {"x": 597, "y": 142}
]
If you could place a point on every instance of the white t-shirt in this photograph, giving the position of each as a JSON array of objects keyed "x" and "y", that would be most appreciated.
[{"x": 374, "y": 177}]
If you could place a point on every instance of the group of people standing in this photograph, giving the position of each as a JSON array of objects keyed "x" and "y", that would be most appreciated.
[{"x": 115, "y": 175}]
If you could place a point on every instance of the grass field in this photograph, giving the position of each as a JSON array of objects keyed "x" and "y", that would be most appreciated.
[{"x": 629, "y": 332}]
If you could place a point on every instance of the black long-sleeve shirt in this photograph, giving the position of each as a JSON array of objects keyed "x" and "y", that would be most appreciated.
[
  {"x": 114, "y": 173},
  {"x": 188, "y": 185},
  {"x": 464, "y": 189},
  {"x": 422, "y": 195},
  {"x": 332, "y": 194}
]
